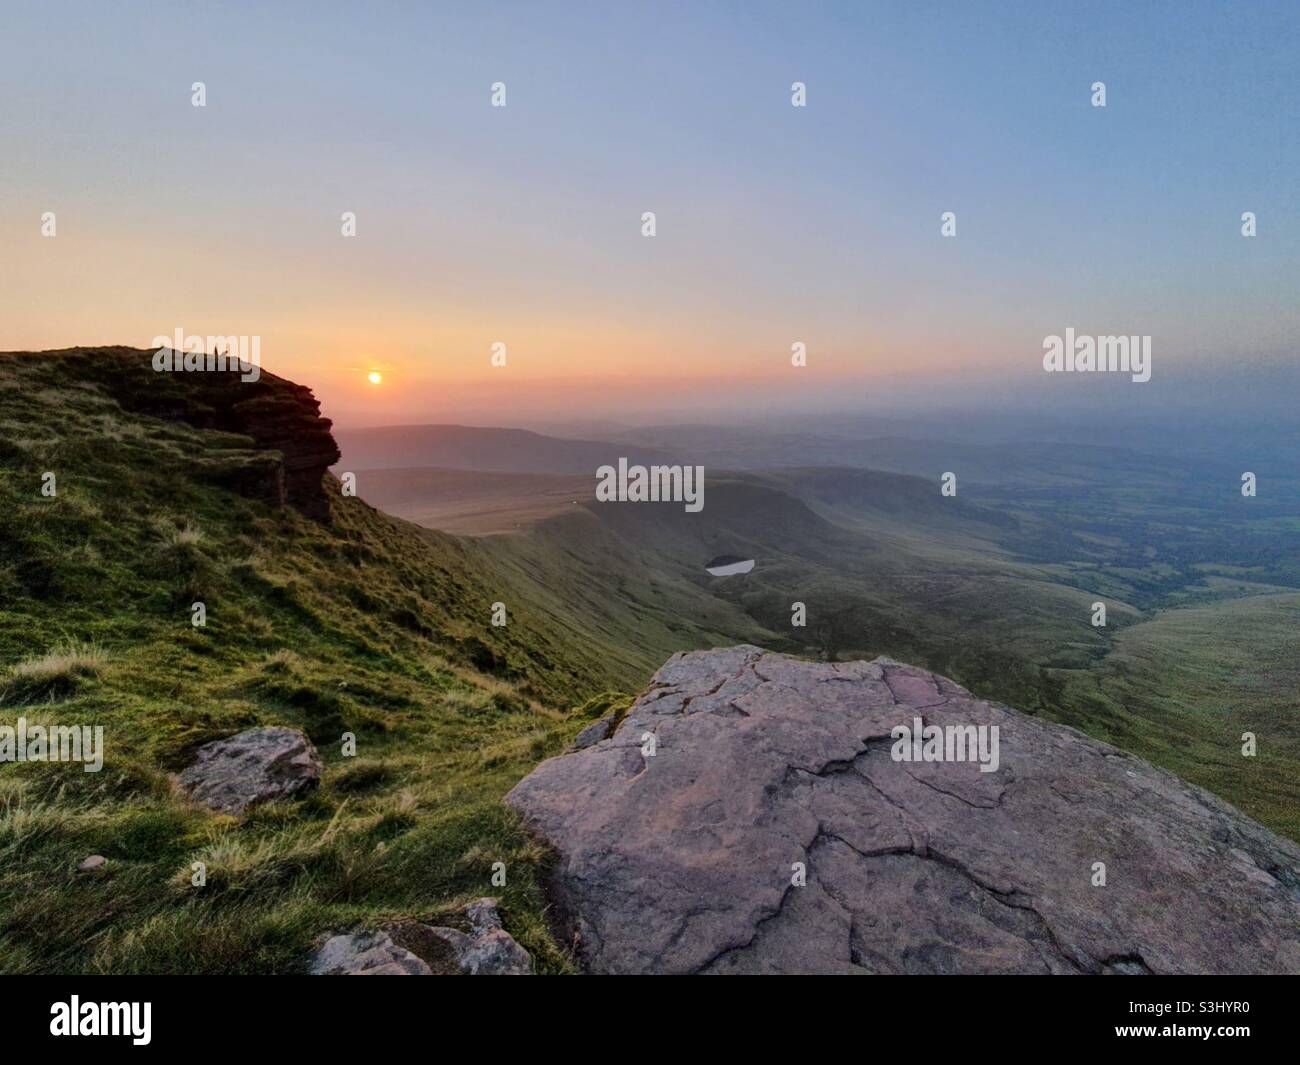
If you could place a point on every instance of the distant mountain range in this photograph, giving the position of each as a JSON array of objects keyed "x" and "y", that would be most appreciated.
[{"x": 466, "y": 447}]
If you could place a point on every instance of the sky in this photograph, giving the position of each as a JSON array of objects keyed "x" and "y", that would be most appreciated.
[{"x": 775, "y": 224}]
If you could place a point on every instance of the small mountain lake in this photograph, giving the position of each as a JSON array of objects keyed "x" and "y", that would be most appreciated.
[{"x": 726, "y": 565}]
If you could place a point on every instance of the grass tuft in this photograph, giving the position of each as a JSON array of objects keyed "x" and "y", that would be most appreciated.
[{"x": 54, "y": 674}]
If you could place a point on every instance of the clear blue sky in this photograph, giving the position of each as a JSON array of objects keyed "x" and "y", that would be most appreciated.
[{"x": 775, "y": 224}]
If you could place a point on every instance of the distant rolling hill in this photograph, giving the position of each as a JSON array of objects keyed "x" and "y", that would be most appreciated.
[
  {"x": 894, "y": 503},
  {"x": 883, "y": 562},
  {"x": 463, "y": 447}
]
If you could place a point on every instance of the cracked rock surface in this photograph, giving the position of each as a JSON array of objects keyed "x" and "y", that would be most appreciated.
[{"x": 683, "y": 862}]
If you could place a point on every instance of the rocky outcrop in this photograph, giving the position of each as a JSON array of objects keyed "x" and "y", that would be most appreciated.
[
  {"x": 295, "y": 444},
  {"x": 749, "y": 815},
  {"x": 286, "y": 419},
  {"x": 252, "y": 767}
]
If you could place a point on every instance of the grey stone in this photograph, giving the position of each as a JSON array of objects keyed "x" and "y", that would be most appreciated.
[
  {"x": 89, "y": 865},
  {"x": 594, "y": 732},
  {"x": 488, "y": 950},
  {"x": 255, "y": 766},
  {"x": 682, "y": 862},
  {"x": 483, "y": 916},
  {"x": 365, "y": 954}
]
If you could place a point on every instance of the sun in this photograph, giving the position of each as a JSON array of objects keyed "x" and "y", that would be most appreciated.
[{"x": 375, "y": 377}]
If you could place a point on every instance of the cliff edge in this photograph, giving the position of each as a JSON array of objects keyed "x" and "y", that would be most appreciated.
[{"x": 282, "y": 418}]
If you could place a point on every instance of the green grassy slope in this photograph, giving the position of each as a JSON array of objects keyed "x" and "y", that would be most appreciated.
[
  {"x": 946, "y": 601},
  {"x": 370, "y": 626},
  {"x": 1181, "y": 689}
]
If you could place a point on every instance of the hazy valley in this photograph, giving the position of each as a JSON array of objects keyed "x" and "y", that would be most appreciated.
[{"x": 993, "y": 587}]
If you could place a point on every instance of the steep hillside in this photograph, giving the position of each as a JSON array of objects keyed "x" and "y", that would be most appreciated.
[
  {"x": 894, "y": 504},
  {"x": 946, "y": 601},
  {"x": 345, "y": 621},
  {"x": 1184, "y": 687}
]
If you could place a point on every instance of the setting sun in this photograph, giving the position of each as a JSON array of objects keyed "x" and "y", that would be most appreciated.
[{"x": 969, "y": 347}]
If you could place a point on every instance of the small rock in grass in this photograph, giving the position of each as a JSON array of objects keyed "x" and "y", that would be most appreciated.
[
  {"x": 365, "y": 954},
  {"x": 255, "y": 766},
  {"x": 489, "y": 950}
]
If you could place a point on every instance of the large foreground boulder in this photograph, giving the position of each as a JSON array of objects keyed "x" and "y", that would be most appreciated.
[
  {"x": 773, "y": 829},
  {"x": 252, "y": 767}
]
